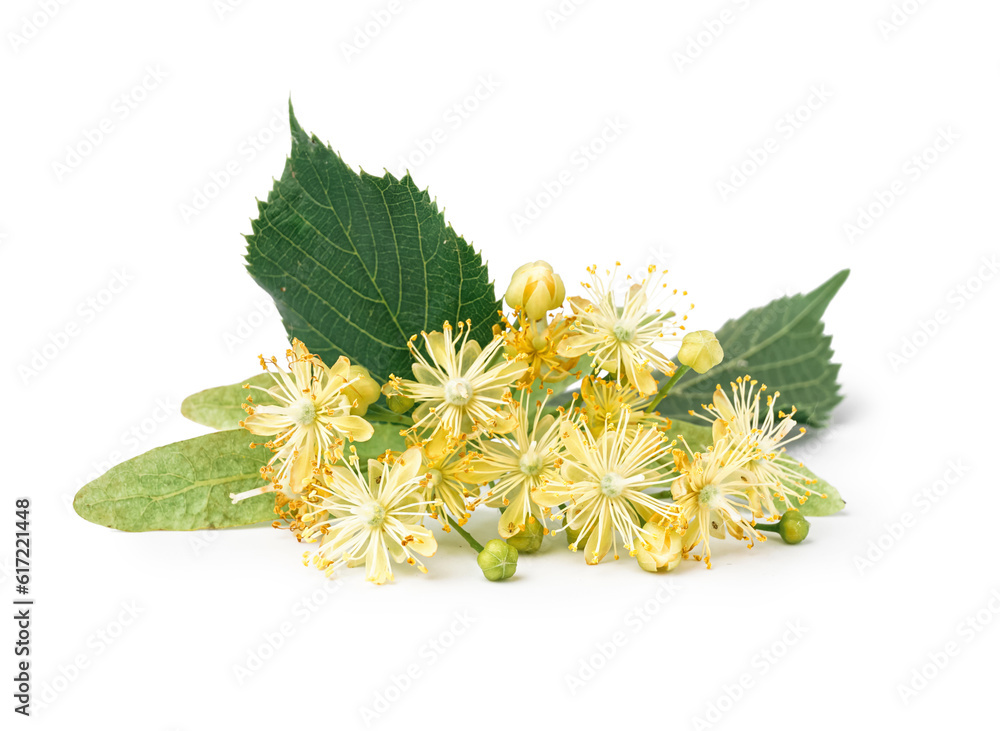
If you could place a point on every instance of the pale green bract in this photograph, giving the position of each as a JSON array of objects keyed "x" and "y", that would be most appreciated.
[
  {"x": 222, "y": 407},
  {"x": 182, "y": 486}
]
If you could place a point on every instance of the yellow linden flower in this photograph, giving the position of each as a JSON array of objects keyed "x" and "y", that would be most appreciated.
[
  {"x": 712, "y": 493},
  {"x": 604, "y": 402},
  {"x": 624, "y": 340},
  {"x": 450, "y": 480},
  {"x": 368, "y": 520},
  {"x": 603, "y": 479},
  {"x": 740, "y": 420},
  {"x": 518, "y": 464},
  {"x": 537, "y": 343},
  {"x": 456, "y": 388},
  {"x": 310, "y": 421}
]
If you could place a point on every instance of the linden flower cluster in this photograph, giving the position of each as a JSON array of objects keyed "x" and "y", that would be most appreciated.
[{"x": 552, "y": 422}]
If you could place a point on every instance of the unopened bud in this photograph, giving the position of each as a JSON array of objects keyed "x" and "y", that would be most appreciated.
[
  {"x": 659, "y": 549},
  {"x": 793, "y": 527},
  {"x": 498, "y": 560},
  {"x": 363, "y": 391},
  {"x": 700, "y": 350},
  {"x": 535, "y": 289},
  {"x": 528, "y": 540},
  {"x": 398, "y": 403}
]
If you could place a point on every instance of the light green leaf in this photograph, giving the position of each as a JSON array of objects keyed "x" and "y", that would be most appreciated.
[
  {"x": 357, "y": 264},
  {"x": 816, "y": 505},
  {"x": 182, "y": 486},
  {"x": 781, "y": 344},
  {"x": 221, "y": 407}
]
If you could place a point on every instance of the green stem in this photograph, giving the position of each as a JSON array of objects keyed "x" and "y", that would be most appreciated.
[
  {"x": 768, "y": 527},
  {"x": 387, "y": 416},
  {"x": 476, "y": 546},
  {"x": 681, "y": 370}
]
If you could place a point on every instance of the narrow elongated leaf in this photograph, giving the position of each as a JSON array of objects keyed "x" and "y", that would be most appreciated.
[
  {"x": 781, "y": 344},
  {"x": 357, "y": 264},
  {"x": 221, "y": 407},
  {"x": 182, "y": 486}
]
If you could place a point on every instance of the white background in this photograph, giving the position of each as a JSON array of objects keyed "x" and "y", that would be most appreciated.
[{"x": 189, "y": 317}]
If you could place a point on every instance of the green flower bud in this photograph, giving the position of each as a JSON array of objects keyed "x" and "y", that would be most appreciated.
[
  {"x": 399, "y": 404},
  {"x": 528, "y": 540},
  {"x": 498, "y": 560},
  {"x": 700, "y": 350},
  {"x": 793, "y": 527}
]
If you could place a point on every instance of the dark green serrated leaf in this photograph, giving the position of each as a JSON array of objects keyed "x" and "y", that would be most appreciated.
[
  {"x": 781, "y": 344},
  {"x": 182, "y": 486},
  {"x": 357, "y": 264},
  {"x": 221, "y": 407}
]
